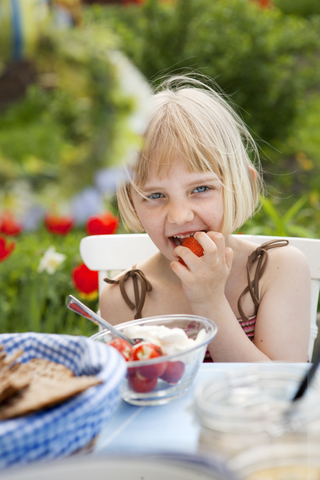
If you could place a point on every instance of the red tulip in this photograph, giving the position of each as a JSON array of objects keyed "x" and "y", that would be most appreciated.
[
  {"x": 85, "y": 280},
  {"x": 139, "y": 2},
  {"x": 265, "y": 3},
  {"x": 8, "y": 224},
  {"x": 58, "y": 224},
  {"x": 6, "y": 248},
  {"x": 126, "y": 2},
  {"x": 103, "y": 224}
]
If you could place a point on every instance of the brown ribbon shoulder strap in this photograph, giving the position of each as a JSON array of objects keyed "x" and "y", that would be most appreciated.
[
  {"x": 261, "y": 255},
  {"x": 139, "y": 293}
]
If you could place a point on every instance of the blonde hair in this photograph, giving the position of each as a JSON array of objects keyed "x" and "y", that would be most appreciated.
[{"x": 192, "y": 120}]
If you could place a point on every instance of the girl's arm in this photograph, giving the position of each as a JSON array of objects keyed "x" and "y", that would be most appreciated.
[{"x": 283, "y": 321}]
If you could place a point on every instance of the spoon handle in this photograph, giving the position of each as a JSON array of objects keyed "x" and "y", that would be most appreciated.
[
  {"x": 308, "y": 377},
  {"x": 76, "y": 306}
]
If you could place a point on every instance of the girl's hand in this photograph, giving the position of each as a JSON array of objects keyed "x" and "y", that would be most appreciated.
[{"x": 204, "y": 278}]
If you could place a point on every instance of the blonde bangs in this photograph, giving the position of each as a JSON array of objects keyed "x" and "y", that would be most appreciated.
[
  {"x": 170, "y": 134},
  {"x": 196, "y": 124}
]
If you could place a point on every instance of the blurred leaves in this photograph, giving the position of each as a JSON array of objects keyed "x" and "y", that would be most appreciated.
[
  {"x": 299, "y": 7},
  {"x": 264, "y": 59},
  {"x": 71, "y": 120},
  {"x": 298, "y": 220}
]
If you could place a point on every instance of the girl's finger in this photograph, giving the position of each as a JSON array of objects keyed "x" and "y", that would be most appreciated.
[
  {"x": 215, "y": 237},
  {"x": 228, "y": 256},
  {"x": 184, "y": 255},
  {"x": 225, "y": 252},
  {"x": 179, "y": 269}
]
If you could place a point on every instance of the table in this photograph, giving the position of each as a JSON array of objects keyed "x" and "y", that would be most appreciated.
[{"x": 165, "y": 428}]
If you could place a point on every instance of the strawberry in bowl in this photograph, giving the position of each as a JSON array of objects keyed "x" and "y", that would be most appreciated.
[
  {"x": 173, "y": 372},
  {"x": 144, "y": 378},
  {"x": 141, "y": 378},
  {"x": 140, "y": 384},
  {"x": 123, "y": 347},
  {"x": 146, "y": 351}
]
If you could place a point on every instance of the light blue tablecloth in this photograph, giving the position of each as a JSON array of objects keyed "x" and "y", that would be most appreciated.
[{"x": 171, "y": 427}]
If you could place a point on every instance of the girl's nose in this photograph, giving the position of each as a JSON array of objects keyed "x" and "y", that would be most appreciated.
[{"x": 180, "y": 214}]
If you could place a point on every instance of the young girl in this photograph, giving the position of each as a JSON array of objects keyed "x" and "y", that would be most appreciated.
[{"x": 193, "y": 177}]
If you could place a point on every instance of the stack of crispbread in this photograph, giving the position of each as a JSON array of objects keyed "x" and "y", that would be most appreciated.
[{"x": 37, "y": 384}]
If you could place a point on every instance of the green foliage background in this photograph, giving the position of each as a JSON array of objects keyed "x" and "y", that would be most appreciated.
[
  {"x": 264, "y": 59},
  {"x": 304, "y": 8}
]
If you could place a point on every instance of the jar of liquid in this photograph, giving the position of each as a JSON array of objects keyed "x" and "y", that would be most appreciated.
[
  {"x": 252, "y": 407},
  {"x": 279, "y": 462}
]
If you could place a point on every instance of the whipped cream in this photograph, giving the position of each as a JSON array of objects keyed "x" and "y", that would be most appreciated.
[{"x": 170, "y": 340}]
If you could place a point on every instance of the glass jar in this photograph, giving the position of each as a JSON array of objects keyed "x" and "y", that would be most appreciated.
[
  {"x": 244, "y": 408},
  {"x": 279, "y": 462}
]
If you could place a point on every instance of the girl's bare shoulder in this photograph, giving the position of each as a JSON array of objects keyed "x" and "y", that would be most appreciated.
[
  {"x": 113, "y": 307},
  {"x": 281, "y": 253},
  {"x": 289, "y": 260},
  {"x": 287, "y": 268},
  {"x": 283, "y": 262}
]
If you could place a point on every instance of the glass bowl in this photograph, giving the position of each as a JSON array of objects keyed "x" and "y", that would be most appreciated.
[{"x": 185, "y": 363}]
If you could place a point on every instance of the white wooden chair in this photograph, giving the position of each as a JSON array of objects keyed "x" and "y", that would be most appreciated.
[{"x": 105, "y": 253}]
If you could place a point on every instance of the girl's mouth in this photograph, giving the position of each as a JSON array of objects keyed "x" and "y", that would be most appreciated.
[{"x": 178, "y": 239}]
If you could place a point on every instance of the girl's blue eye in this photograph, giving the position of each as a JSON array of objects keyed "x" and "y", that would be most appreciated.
[
  {"x": 201, "y": 189},
  {"x": 155, "y": 196}
]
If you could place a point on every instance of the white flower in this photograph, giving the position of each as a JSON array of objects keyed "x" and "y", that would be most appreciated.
[{"x": 51, "y": 260}]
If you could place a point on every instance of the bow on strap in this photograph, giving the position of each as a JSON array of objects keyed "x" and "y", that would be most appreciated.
[
  {"x": 139, "y": 294},
  {"x": 260, "y": 254}
]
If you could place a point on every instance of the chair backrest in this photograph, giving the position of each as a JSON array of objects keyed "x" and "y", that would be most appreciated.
[{"x": 105, "y": 253}]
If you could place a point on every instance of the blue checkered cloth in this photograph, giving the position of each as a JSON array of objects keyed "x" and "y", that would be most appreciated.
[{"x": 65, "y": 428}]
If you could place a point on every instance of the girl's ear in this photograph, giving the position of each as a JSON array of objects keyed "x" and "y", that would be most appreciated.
[{"x": 254, "y": 173}]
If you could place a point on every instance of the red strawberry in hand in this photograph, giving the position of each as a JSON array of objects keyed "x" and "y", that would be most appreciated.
[
  {"x": 193, "y": 245},
  {"x": 146, "y": 351},
  {"x": 123, "y": 347}
]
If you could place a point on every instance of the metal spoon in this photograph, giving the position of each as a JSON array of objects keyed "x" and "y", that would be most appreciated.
[
  {"x": 76, "y": 306},
  {"x": 308, "y": 377}
]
